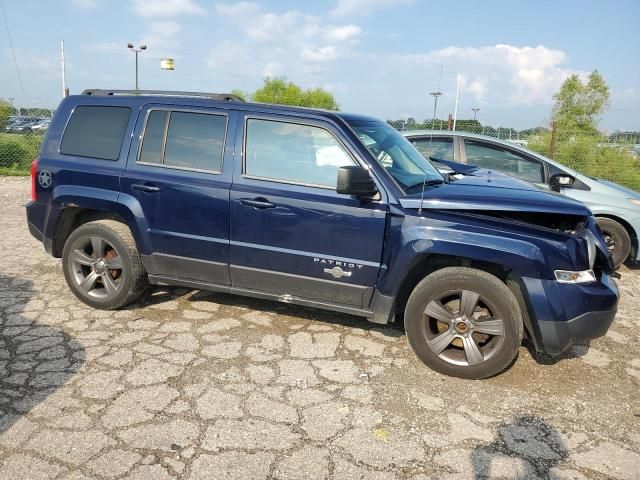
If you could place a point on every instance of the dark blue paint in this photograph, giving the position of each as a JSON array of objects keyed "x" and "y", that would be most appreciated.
[{"x": 218, "y": 222}]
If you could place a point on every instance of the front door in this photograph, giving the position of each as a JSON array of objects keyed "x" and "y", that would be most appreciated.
[
  {"x": 291, "y": 233},
  {"x": 180, "y": 176}
]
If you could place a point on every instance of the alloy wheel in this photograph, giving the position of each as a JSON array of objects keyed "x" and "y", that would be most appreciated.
[
  {"x": 462, "y": 327},
  {"x": 96, "y": 267}
]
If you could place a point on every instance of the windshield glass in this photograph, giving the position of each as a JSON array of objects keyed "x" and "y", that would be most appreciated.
[{"x": 396, "y": 154}]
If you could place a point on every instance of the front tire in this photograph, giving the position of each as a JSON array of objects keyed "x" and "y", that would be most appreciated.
[
  {"x": 102, "y": 265},
  {"x": 464, "y": 322},
  {"x": 617, "y": 239}
]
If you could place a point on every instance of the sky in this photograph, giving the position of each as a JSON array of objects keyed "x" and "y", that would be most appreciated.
[{"x": 378, "y": 57}]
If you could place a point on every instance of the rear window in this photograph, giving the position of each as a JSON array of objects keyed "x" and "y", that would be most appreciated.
[{"x": 96, "y": 132}]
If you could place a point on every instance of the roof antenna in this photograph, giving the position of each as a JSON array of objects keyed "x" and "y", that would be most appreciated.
[{"x": 435, "y": 96}]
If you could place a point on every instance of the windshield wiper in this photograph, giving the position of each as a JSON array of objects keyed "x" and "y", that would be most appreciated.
[{"x": 435, "y": 181}]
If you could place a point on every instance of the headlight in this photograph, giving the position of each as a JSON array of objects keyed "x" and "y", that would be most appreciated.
[
  {"x": 635, "y": 202},
  {"x": 567, "y": 276}
]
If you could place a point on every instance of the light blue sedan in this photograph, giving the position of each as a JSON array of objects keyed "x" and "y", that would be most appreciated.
[{"x": 617, "y": 208}]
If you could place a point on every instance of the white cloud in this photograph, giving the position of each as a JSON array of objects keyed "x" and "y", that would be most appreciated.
[
  {"x": 161, "y": 38},
  {"x": 278, "y": 43},
  {"x": 506, "y": 72},
  {"x": 345, "y": 8},
  {"x": 342, "y": 33},
  {"x": 166, "y": 8}
]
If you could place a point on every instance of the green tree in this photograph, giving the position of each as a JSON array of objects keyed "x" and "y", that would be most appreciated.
[
  {"x": 5, "y": 112},
  {"x": 578, "y": 105},
  {"x": 239, "y": 93},
  {"x": 319, "y": 98},
  {"x": 281, "y": 91},
  {"x": 578, "y": 143}
]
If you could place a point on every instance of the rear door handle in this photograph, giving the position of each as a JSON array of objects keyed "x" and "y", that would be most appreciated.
[
  {"x": 146, "y": 188},
  {"x": 259, "y": 203}
]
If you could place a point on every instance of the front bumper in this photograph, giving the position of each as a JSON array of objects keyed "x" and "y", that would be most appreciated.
[{"x": 561, "y": 315}]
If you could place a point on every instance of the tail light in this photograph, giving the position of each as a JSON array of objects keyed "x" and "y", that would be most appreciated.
[{"x": 34, "y": 169}]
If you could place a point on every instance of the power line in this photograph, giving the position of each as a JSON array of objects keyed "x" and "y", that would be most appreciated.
[{"x": 13, "y": 53}]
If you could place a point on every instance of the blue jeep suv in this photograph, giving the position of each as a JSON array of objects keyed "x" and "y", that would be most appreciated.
[{"x": 318, "y": 208}]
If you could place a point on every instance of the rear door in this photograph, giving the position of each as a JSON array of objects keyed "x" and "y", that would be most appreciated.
[
  {"x": 180, "y": 176},
  {"x": 291, "y": 233}
]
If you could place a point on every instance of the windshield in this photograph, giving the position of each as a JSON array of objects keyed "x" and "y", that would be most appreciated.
[{"x": 396, "y": 154}]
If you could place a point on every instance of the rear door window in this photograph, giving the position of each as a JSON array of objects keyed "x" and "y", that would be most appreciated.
[
  {"x": 187, "y": 140},
  {"x": 95, "y": 131},
  {"x": 504, "y": 160}
]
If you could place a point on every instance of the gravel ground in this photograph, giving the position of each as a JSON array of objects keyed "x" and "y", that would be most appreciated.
[{"x": 190, "y": 384}]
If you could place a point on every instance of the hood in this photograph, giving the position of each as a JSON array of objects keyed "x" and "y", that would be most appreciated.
[
  {"x": 627, "y": 192},
  {"x": 487, "y": 191}
]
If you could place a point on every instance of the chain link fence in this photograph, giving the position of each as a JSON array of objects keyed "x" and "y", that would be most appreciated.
[
  {"x": 614, "y": 157},
  {"x": 21, "y": 135}
]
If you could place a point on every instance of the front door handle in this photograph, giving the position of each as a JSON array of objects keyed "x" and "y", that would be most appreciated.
[
  {"x": 259, "y": 203},
  {"x": 146, "y": 188}
]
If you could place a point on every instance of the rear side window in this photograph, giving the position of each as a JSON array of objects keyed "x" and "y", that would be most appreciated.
[
  {"x": 96, "y": 132},
  {"x": 293, "y": 153},
  {"x": 184, "y": 140},
  {"x": 441, "y": 148}
]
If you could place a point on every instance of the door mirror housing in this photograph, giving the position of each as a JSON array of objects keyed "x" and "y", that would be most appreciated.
[
  {"x": 355, "y": 180},
  {"x": 561, "y": 180}
]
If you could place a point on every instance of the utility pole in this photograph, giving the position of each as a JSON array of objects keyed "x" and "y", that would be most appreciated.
[
  {"x": 136, "y": 50},
  {"x": 552, "y": 146},
  {"x": 435, "y": 96},
  {"x": 455, "y": 108},
  {"x": 475, "y": 113},
  {"x": 65, "y": 92}
]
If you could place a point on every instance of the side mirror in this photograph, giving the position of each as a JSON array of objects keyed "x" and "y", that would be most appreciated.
[
  {"x": 561, "y": 180},
  {"x": 355, "y": 180}
]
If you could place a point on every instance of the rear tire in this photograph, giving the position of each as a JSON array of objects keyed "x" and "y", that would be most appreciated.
[
  {"x": 102, "y": 265},
  {"x": 464, "y": 322},
  {"x": 617, "y": 239}
]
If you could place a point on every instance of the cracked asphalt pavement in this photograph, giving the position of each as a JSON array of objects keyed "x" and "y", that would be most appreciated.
[{"x": 196, "y": 385}]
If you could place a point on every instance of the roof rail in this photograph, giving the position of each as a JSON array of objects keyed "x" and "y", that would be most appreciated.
[{"x": 164, "y": 93}]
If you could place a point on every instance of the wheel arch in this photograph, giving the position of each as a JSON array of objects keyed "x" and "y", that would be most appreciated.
[
  {"x": 430, "y": 263},
  {"x": 627, "y": 226},
  {"x": 70, "y": 218},
  {"x": 74, "y": 206}
]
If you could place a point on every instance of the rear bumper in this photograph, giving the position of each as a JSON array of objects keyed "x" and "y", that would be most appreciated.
[
  {"x": 565, "y": 314},
  {"x": 36, "y": 214}
]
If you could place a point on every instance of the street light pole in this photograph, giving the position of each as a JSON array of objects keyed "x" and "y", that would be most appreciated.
[
  {"x": 136, "y": 51},
  {"x": 475, "y": 113},
  {"x": 435, "y": 96}
]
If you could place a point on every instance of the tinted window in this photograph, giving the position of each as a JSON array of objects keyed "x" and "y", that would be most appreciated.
[
  {"x": 95, "y": 132},
  {"x": 293, "y": 153},
  {"x": 503, "y": 160},
  {"x": 441, "y": 148},
  {"x": 151, "y": 151},
  {"x": 195, "y": 140}
]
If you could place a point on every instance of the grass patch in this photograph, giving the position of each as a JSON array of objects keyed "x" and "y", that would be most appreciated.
[{"x": 17, "y": 152}]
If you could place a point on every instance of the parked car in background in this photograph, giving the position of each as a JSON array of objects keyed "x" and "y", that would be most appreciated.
[
  {"x": 616, "y": 208},
  {"x": 22, "y": 124},
  {"x": 319, "y": 208}
]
